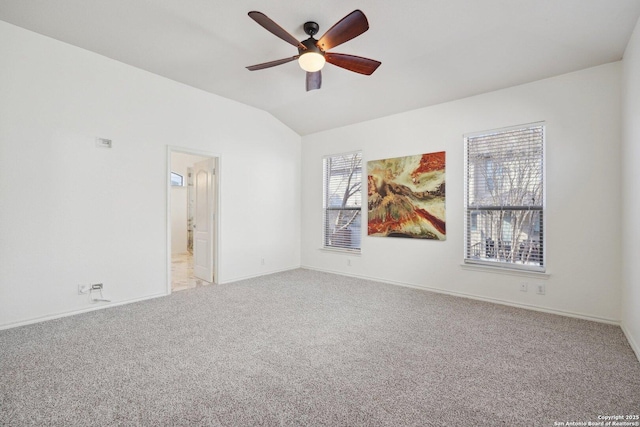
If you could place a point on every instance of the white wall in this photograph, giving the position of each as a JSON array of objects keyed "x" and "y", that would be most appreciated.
[
  {"x": 73, "y": 213},
  {"x": 582, "y": 113},
  {"x": 631, "y": 184}
]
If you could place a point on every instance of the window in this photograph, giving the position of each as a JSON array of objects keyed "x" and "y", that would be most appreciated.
[
  {"x": 177, "y": 180},
  {"x": 342, "y": 201},
  {"x": 505, "y": 198}
]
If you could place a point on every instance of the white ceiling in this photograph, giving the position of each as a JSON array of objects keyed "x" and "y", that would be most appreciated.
[{"x": 432, "y": 51}]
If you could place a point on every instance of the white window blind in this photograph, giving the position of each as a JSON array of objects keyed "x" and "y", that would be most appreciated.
[
  {"x": 505, "y": 198},
  {"x": 342, "y": 201}
]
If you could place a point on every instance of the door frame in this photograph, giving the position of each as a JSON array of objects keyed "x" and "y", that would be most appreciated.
[{"x": 216, "y": 210}]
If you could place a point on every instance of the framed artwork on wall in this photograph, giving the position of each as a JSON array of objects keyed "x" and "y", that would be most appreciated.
[{"x": 406, "y": 197}]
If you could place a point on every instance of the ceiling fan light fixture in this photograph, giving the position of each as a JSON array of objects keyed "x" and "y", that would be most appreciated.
[
  {"x": 311, "y": 61},
  {"x": 312, "y": 53}
]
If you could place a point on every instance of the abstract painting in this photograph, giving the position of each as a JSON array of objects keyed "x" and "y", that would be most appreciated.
[{"x": 407, "y": 196}]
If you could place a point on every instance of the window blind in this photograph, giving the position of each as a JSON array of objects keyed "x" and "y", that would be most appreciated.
[
  {"x": 342, "y": 201},
  {"x": 504, "y": 201}
]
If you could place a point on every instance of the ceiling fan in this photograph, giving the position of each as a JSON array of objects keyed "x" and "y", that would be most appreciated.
[{"x": 312, "y": 53}]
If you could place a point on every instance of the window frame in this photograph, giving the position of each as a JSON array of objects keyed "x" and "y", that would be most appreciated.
[
  {"x": 326, "y": 208},
  {"x": 178, "y": 175},
  {"x": 476, "y": 211}
]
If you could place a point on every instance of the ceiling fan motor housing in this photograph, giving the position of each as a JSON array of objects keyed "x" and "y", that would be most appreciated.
[{"x": 311, "y": 46}]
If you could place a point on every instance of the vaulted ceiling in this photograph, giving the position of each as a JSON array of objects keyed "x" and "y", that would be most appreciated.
[{"x": 432, "y": 51}]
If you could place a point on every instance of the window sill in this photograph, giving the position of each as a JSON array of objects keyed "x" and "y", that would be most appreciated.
[
  {"x": 350, "y": 252},
  {"x": 502, "y": 270}
]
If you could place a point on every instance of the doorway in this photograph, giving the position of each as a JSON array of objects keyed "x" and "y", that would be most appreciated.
[{"x": 192, "y": 212}]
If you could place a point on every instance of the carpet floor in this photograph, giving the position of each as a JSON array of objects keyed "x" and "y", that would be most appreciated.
[{"x": 308, "y": 348}]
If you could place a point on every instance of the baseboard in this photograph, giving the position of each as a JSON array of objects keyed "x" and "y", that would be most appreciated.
[
  {"x": 74, "y": 312},
  {"x": 475, "y": 297},
  {"x": 634, "y": 345},
  {"x": 115, "y": 304},
  {"x": 263, "y": 273}
]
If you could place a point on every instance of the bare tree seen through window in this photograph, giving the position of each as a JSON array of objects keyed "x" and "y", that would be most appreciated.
[
  {"x": 343, "y": 184},
  {"x": 505, "y": 197}
]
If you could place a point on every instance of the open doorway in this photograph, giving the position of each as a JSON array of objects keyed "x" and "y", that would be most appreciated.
[{"x": 192, "y": 216}]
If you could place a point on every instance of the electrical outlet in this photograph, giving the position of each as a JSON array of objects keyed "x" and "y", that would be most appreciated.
[
  {"x": 262, "y": 261},
  {"x": 87, "y": 289},
  {"x": 348, "y": 262},
  {"x": 524, "y": 286},
  {"x": 540, "y": 289}
]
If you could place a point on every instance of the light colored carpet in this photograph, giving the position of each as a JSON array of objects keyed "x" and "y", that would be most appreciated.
[{"x": 309, "y": 348}]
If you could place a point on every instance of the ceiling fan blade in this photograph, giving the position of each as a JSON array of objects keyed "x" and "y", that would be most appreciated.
[
  {"x": 314, "y": 80},
  {"x": 271, "y": 64},
  {"x": 353, "y": 63},
  {"x": 275, "y": 29},
  {"x": 347, "y": 28}
]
